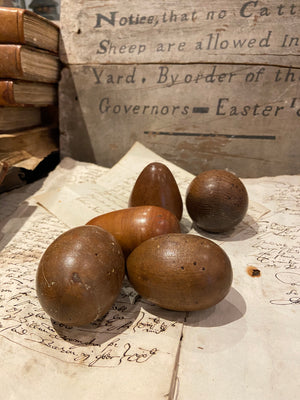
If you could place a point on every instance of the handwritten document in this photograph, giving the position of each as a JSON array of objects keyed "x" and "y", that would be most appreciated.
[{"x": 247, "y": 346}]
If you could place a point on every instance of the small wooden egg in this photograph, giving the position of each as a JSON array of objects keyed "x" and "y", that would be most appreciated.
[
  {"x": 80, "y": 275},
  {"x": 216, "y": 200},
  {"x": 181, "y": 272},
  {"x": 157, "y": 186},
  {"x": 132, "y": 226}
]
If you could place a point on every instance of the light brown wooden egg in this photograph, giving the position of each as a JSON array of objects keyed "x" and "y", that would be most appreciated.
[
  {"x": 132, "y": 226},
  {"x": 180, "y": 272}
]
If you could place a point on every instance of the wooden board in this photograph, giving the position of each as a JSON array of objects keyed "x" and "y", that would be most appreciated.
[
  {"x": 199, "y": 116},
  {"x": 139, "y": 31},
  {"x": 205, "y": 85}
]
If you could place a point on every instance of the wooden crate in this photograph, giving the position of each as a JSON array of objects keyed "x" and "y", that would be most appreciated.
[{"x": 204, "y": 85}]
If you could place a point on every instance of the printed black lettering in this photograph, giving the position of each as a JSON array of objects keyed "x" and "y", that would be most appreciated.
[
  {"x": 244, "y": 12},
  {"x": 103, "y": 46},
  {"x": 101, "y": 17},
  {"x": 220, "y": 105}
]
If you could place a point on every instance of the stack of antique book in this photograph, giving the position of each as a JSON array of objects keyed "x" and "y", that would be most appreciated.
[{"x": 29, "y": 74}]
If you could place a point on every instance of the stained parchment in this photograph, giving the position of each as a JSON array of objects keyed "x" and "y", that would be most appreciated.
[
  {"x": 122, "y": 354},
  {"x": 248, "y": 346}
]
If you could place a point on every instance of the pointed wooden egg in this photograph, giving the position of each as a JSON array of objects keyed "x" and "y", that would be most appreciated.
[
  {"x": 132, "y": 226},
  {"x": 157, "y": 186}
]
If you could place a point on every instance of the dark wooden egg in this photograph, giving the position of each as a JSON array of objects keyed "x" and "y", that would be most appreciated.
[
  {"x": 157, "y": 186},
  {"x": 216, "y": 200},
  {"x": 80, "y": 275},
  {"x": 180, "y": 272}
]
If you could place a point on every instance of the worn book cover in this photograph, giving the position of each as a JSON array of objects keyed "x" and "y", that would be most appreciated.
[
  {"x": 28, "y": 63},
  {"x": 24, "y": 93},
  {"x": 31, "y": 140},
  {"x": 12, "y": 118},
  {"x": 22, "y": 151},
  {"x": 20, "y": 26}
]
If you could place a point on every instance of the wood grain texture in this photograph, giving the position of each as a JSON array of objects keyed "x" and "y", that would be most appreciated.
[
  {"x": 132, "y": 226},
  {"x": 200, "y": 116},
  {"x": 85, "y": 268},
  {"x": 112, "y": 31},
  {"x": 179, "y": 271},
  {"x": 216, "y": 201},
  {"x": 157, "y": 186},
  {"x": 206, "y": 85}
]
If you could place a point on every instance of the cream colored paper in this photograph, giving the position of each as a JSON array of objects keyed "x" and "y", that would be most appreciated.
[
  {"x": 246, "y": 347},
  {"x": 134, "y": 345}
]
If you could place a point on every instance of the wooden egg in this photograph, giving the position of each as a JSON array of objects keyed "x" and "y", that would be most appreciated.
[
  {"x": 181, "y": 272},
  {"x": 216, "y": 200},
  {"x": 80, "y": 275},
  {"x": 132, "y": 226},
  {"x": 156, "y": 186}
]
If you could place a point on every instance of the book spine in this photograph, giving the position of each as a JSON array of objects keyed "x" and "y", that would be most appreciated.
[
  {"x": 10, "y": 61},
  {"x": 11, "y": 25},
  {"x": 7, "y": 93}
]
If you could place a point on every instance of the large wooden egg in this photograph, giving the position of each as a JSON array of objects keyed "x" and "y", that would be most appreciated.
[
  {"x": 180, "y": 272},
  {"x": 80, "y": 275}
]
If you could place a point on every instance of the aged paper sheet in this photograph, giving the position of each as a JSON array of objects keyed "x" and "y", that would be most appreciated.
[
  {"x": 130, "y": 353},
  {"x": 245, "y": 347},
  {"x": 248, "y": 346}
]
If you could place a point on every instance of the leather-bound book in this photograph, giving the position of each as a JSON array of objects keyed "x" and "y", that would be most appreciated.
[
  {"x": 12, "y": 118},
  {"x": 20, "y": 26},
  {"x": 28, "y": 63},
  {"x": 24, "y": 93}
]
